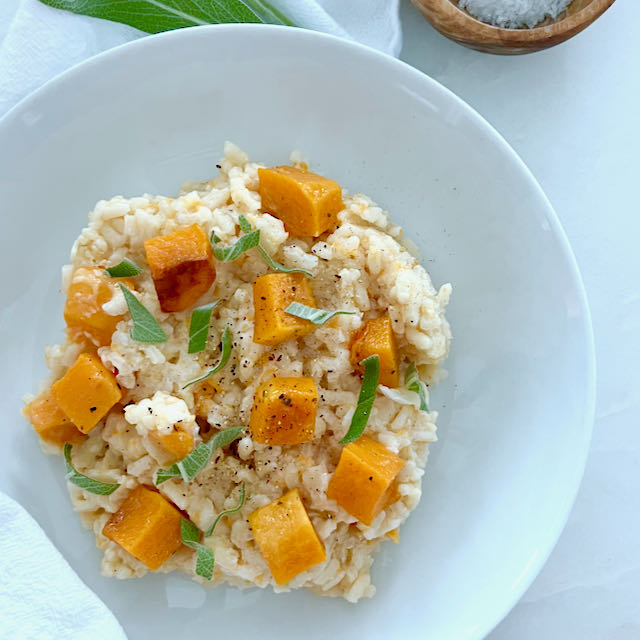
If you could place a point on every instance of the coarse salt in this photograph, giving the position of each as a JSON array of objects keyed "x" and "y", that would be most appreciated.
[{"x": 512, "y": 14}]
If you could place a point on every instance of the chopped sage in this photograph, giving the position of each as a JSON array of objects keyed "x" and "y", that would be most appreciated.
[
  {"x": 246, "y": 242},
  {"x": 124, "y": 269},
  {"x": 145, "y": 326},
  {"x": 317, "y": 316},
  {"x": 199, "y": 326},
  {"x": 227, "y": 512},
  {"x": 413, "y": 383},
  {"x": 224, "y": 358},
  {"x": 84, "y": 482},
  {"x": 365, "y": 399},
  {"x": 190, "y": 535}
]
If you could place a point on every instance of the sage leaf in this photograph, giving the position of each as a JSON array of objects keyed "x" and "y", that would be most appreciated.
[
  {"x": 224, "y": 358},
  {"x": 189, "y": 467},
  {"x": 245, "y": 225},
  {"x": 84, "y": 482},
  {"x": 124, "y": 269},
  {"x": 317, "y": 316},
  {"x": 145, "y": 326},
  {"x": 413, "y": 383},
  {"x": 365, "y": 399},
  {"x": 246, "y": 242},
  {"x": 190, "y": 535},
  {"x": 227, "y": 512},
  {"x": 199, "y": 327},
  {"x": 154, "y": 16}
]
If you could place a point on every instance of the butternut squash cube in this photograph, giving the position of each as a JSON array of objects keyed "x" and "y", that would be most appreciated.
[
  {"x": 363, "y": 478},
  {"x": 284, "y": 411},
  {"x": 307, "y": 204},
  {"x": 272, "y": 294},
  {"x": 286, "y": 538},
  {"x": 50, "y": 423},
  {"x": 376, "y": 337},
  {"x": 146, "y": 525},
  {"x": 86, "y": 392},
  {"x": 177, "y": 443},
  {"x": 89, "y": 289},
  {"x": 182, "y": 267}
]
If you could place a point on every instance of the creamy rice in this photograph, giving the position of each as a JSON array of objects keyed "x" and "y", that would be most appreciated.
[{"x": 363, "y": 265}]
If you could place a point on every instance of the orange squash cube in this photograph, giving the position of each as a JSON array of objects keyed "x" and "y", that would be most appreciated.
[
  {"x": 376, "y": 337},
  {"x": 272, "y": 294},
  {"x": 363, "y": 478},
  {"x": 307, "y": 204},
  {"x": 50, "y": 423},
  {"x": 89, "y": 289},
  {"x": 177, "y": 444},
  {"x": 286, "y": 538},
  {"x": 284, "y": 411},
  {"x": 182, "y": 267},
  {"x": 146, "y": 525},
  {"x": 86, "y": 392}
]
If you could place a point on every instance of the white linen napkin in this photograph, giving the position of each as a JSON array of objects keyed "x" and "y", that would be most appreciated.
[
  {"x": 41, "y": 597},
  {"x": 38, "y": 42}
]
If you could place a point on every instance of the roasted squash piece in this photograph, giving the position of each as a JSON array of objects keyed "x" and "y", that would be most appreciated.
[
  {"x": 177, "y": 444},
  {"x": 363, "y": 478},
  {"x": 146, "y": 525},
  {"x": 272, "y": 294},
  {"x": 376, "y": 337},
  {"x": 284, "y": 411},
  {"x": 86, "y": 392},
  {"x": 89, "y": 289},
  {"x": 307, "y": 204},
  {"x": 182, "y": 267},
  {"x": 286, "y": 538},
  {"x": 50, "y": 423}
]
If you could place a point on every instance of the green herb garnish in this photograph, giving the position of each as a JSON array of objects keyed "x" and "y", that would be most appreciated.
[
  {"x": 88, "y": 484},
  {"x": 246, "y": 242},
  {"x": 245, "y": 225},
  {"x": 224, "y": 358},
  {"x": 199, "y": 327},
  {"x": 227, "y": 512},
  {"x": 124, "y": 269},
  {"x": 317, "y": 316},
  {"x": 365, "y": 399},
  {"x": 154, "y": 16},
  {"x": 413, "y": 383},
  {"x": 190, "y": 535},
  {"x": 145, "y": 326},
  {"x": 189, "y": 467}
]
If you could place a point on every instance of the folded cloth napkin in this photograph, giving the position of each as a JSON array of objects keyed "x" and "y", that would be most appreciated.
[
  {"x": 41, "y": 597},
  {"x": 38, "y": 42}
]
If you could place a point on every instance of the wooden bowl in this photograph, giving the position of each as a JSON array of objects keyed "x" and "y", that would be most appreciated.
[{"x": 460, "y": 26}]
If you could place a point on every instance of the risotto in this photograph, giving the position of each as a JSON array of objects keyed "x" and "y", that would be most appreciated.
[{"x": 216, "y": 417}]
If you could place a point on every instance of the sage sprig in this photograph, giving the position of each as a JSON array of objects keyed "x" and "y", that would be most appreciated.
[
  {"x": 199, "y": 327},
  {"x": 82, "y": 481},
  {"x": 189, "y": 467},
  {"x": 145, "y": 326},
  {"x": 224, "y": 358},
  {"x": 125, "y": 269},
  {"x": 317, "y": 316},
  {"x": 365, "y": 399},
  {"x": 190, "y": 535},
  {"x": 154, "y": 16},
  {"x": 413, "y": 383},
  {"x": 227, "y": 512}
]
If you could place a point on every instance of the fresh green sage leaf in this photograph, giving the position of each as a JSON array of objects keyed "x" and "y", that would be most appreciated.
[
  {"x": 224, "y": 358},
  {"x": 145, "y": 326},
  {"x": 246, "y": 242},
  {"x": 365, "y": 399},
  {"x": 84, "y": 482},
  {"x": 317, "y": 316},
  {"x": 245, "y": 226},
  {"x": 205, "y": 560},
  {"x": 154, "y": 16},
  {"x": 227, "y": 512},
  {"x": 189, "y": 467},
  {"x": 413, "y": 383},
  {"x": 199, "y": 327},
  {"x": 124, "y": 269}
]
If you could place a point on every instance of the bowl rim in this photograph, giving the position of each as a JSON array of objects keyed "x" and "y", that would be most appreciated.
[{"x": 533, "y": 568}]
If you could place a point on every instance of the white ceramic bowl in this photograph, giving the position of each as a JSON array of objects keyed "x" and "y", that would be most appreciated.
[{"x": 516, "y": 410}]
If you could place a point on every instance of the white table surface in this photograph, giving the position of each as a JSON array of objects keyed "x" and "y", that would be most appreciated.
[{"x": 573, "y": 115}]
